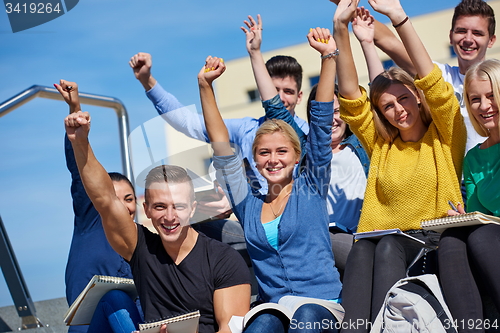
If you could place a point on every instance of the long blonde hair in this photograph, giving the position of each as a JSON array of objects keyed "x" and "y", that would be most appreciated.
[
  {"x": 487, "y": 70},
  {"x": 379, "y": 85}
]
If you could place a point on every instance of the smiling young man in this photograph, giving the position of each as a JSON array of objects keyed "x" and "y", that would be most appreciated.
[
  {"x": 472, "y": 34},
  {"x": 177, "y": 270}
]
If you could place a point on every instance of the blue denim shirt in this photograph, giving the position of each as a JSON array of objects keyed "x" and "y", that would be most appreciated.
[
  {"x": 303, "y": 265},
  {"x": 241, "y": 131},
  {"x": 275, "y": 109},
  {"x": 360, "y": 152}
]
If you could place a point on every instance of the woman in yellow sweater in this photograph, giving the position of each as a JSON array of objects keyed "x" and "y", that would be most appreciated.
[{"x": 415, "y": 136}]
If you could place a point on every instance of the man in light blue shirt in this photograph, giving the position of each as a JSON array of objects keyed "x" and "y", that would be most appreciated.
[{"x": 286, "y": 74}]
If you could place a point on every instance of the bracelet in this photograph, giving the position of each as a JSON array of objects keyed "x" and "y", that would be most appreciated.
[
  {"x": 400, "y": 23},
  {"x": 331, "y": 54}
]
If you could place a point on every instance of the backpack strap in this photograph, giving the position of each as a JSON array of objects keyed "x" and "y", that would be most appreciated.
[{"x": 420, "y": 288}]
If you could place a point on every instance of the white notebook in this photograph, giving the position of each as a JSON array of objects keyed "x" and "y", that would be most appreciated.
[
  {"x": 186, "y": 323},
  {"x": 461, "y": 220},
  {"x": 82, "y": 309}
]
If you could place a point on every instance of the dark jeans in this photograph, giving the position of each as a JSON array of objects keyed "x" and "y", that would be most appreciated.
[
  {"x": 468, "y": 263},
  {"x": 115, "y": 313},
  {"x": 372, "y": 268},
  {"x": 309, "y": 318},
  {"x": 341, "y": 246}
]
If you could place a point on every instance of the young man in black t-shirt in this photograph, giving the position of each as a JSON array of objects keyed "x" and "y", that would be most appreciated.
[{"x": 176, "y": 270}]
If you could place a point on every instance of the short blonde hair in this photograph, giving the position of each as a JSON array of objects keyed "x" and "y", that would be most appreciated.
[
  {"x": 487, "y": 70},
  {"x": 379, "y": 85},
  {"x": 271, "y": 126}
]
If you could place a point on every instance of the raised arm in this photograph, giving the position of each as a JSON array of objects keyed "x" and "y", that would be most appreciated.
[
  {"x": 386, "y": 41},
  {"x": 413, "y": 45},
  {"x": 216, "y": 129},
  {"x": 118, "y": 225},
  {"x": 346, "y": 69},
  {"x": 322, "y": 41},
  {"x": 183, "y": 119},
  {"x": 253, "y": 34},
  {"x": 141, "y": 64},
  {"x": 363, "y": 27}
]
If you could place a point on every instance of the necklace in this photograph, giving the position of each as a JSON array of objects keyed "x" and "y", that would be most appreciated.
[{"x": 281, "y": 207}]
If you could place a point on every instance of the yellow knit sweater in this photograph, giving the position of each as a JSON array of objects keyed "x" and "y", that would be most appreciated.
[{"x": 411, "y": 181}]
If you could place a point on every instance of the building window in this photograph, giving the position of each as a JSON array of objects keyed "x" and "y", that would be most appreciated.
[
  {"x": 452, "y": 52},
  {"x": 253, "y": 95},
  {"x": 388, "y": 63},
  {"x": 313, "y": 80}
]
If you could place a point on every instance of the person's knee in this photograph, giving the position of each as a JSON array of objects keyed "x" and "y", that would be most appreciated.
[
  {"x": 313, "y": 317},
  {"x": 387, "y": 246},
  {"x": 483, "y": 238},
  {"x": 116, "y": 298},
  {"x": 307, "y": 312},
  {"x": 268, "y": 321}
]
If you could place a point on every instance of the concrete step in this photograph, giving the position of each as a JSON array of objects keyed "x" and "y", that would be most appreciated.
[{"x": 49, "y": 312}]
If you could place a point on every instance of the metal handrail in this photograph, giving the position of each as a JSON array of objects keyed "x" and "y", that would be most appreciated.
[{"x": 91, "y": 99}]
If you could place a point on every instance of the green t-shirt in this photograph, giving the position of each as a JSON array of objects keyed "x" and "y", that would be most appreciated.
[{"x": 482, "y": 179}]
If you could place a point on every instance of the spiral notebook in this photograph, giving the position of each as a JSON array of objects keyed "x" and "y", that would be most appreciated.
[
  {"x": 186, "y": 323},
  {"x": 461, "y": 220},
  {"x": 82, "y": 309}
]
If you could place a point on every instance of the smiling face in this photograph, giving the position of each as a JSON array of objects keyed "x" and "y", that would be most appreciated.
[
  {"x": 275, "y": 158},
  {"x": 482, "y": 104},
  {"x": 400, "y": 106},
  {"x": 126, "y": 195},
  {"x": 338, "y": 126},
  {"x": 288, "y": 91},
  {"x": 170, "y": 207},
  {"x": 470, "y": 40}
]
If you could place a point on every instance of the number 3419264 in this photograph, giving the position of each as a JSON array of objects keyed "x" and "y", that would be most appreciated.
[{"x": 32, "y": 8}]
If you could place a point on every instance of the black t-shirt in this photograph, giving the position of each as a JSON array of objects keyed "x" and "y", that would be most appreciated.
[{"x": 166, "y": 289}]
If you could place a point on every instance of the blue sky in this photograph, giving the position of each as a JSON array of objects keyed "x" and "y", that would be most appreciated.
[{"x": 92, "y": 44}]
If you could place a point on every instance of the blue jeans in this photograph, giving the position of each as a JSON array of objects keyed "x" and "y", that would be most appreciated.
[
  {"x": 309, "y": 318},
  {"x": 115, "y": 313}
]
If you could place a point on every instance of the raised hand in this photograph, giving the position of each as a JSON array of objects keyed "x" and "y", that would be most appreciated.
[
  {"x": 253, "y": 33},
  {"x": 363, "y": 25},
  {"x": 69, "y": 91},
  {"x": 346, "y": 11},
  {"x": 77, "y": 126},
  {"x": 141, "y": 64},
  {"x": 389, "y": 8},
  {"x": 321, "y": 40},
  {"x": 213, "y": 68}
]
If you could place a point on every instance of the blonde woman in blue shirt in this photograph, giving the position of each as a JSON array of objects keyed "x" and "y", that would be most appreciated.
[{"x": 287, "y": 229}]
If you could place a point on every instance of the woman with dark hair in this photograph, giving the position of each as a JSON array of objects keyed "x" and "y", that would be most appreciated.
[{"x": 90, "y": 252}]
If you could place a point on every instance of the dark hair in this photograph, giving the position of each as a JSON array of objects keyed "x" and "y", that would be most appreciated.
[
  {"x": 475, "y": 8},
  {"x": 312, "y": 97},
  {"x": 283, "y": 66},
  {"x": 168, "y": 174},
  {"x": 118, "y": 177}
]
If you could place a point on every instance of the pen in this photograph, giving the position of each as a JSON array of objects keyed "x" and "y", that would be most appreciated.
[{"x": 452, "y": 206}]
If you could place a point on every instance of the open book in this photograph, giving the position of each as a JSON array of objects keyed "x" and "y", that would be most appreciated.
[
  {"x": 82, "y": 309},
  {"x": 186, "y": 323},
  {"x": 461, "y": 220},
  {"x": 377, "y": 234},
  {"x": 286, "y": 305}
]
